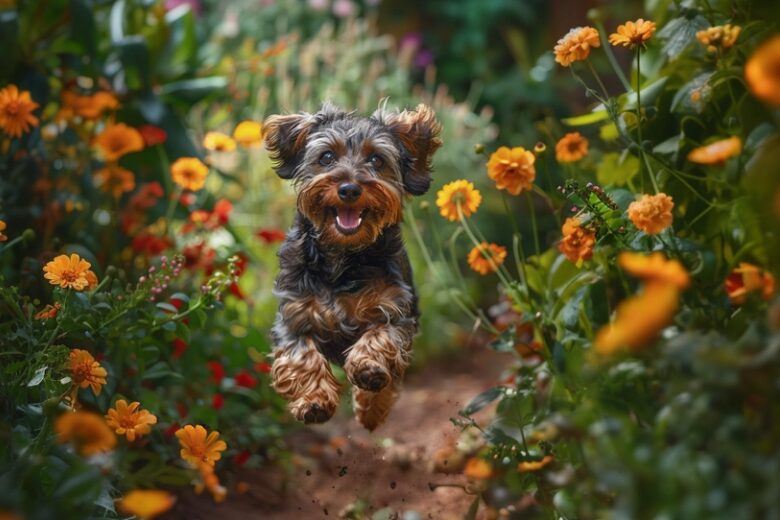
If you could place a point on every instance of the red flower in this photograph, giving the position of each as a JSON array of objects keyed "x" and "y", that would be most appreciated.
[
  {"x": 217, "y": 371},
  {"x": 217, "y": 401},
  {"x": 171, "y": 430},
  {"x": 187, "y": 199},
  {"x": 270, "y": 235},
  {"x": 241, "y": 264},
  {"x": 236, "y": 291},
  {"x": 198, "y": 256},
  {"x": 149, "y": 244},
  {"x": 176, "y": 302},
  {"x": 263, "y": 367},
  {"x": 246, "y": 379},
  {"x": 153, "y": 135},
  {"x": 222, "y": 210},
  {"x": 179, "y": 347},
  {"x": 240, "y": 458},
  {"x": 182, "y": 409}
]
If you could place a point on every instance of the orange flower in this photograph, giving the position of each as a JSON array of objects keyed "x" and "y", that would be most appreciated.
[
  {"x": 478, "y": 469},
  {"x": 576, "y": 45},
  {"x": 130, "y": 420},
  {"x": 534, "y": 465},
  {"x": 86, "y": 431},
  {"x": 655, "y": 267},
  {"x": 748, "y": 278},
  {"x": 16, "y": 111},
  {"x": 49, "y": 312},
  {"x": 248, "y": 134},
  {"x": 577, "y": 242},
  {"x": 762, "y": 71},
  {"x": 631, "y": 34},
  {"x": 486, "y": 258},
  {"x": 457, "y": 193},
  {"x": 86, "y": 371},
  {"x": 652, "y": 213},
  {"x": 115, "y": 180},
  {"x": 722, "y": 36},
  {"x": 88, "y": 107},
  {"x": 199, "y": 446},
  {"x": 3, "y": 237},
  {"x": 218, "y": 142},
  {"x": 189, "y": 173},
  {"x": 571, "y": 148},
  {"x": 69, "y": 272},
  {"x": 146, "y": 503},
  {"x": 210, "y": 481},
  {"x": 717, "y": 152},
  {"x": 512, "y": 169},
  {"x": 117, "y": 140}
]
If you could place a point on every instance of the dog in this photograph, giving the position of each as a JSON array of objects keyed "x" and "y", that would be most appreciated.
[{"x": 345, "y": 288}]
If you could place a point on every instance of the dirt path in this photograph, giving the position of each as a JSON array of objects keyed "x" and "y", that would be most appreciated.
[{"x": 339, "y": 463}]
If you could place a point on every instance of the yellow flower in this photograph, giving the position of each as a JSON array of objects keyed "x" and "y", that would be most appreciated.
[
  {"x": 486, "y": 258},
  {"x": 117, "y": 140},
  {"x": 571, "y": 148},
  {"x": 631, "y": 34},
  {"x": 189, "y": 173},
  {"x": 199, "y": 446},
  {"x": 652, "y": 213},
  {"x": 762, "y": 71},
  {"x": 512, "y": 169},
  {"x": 748, "y": 278},
  {"x": 219, "y": 142},
  {"x": 3, "y": 225},
  {"x": 16, "y": 108},
  {"x": 86, "y": 431},
  {"x": 478, "y": 469},
  {"x": 86, "y": 371},
  {"x": 454, "y": 193},
  {"x": 130, "y": 420},
  {"x": 722, "y": 36},
  {"x": 69, "y": 272},
  {"x": 655, "y": 267},
  {"x": 146, "y": 503},
  {"x": 115, "y": 180},
  {"x": 534, "y": 465},
  {"x": 717, "y": 152},
  {"x": 248, "y": 133},
  {"x": 576, "y": 45},
  {"x": 577, "y": 242}
]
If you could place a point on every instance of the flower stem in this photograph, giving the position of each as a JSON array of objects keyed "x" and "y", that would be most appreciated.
[
  {"x": 532, "y": 209},
  {"x": 639, "y": 118},
  {"x": 611, "y": 57}
]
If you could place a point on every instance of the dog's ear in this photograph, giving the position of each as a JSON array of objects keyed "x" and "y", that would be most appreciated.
[
  {"x": 418, "y": 130},
  {"x": 285, "y": 138}
]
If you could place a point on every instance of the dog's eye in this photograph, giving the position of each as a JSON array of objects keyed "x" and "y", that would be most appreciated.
[
  {"x": 327, "y": 158},
  {"x": 376, "y": 161}
]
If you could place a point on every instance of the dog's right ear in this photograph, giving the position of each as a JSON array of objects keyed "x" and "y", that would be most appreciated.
[{"x": 285, "y": 139}]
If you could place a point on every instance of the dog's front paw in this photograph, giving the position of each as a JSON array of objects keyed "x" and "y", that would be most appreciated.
[
  {"x": 309, "y": 412},
  {"x": 370, "y": 376}
]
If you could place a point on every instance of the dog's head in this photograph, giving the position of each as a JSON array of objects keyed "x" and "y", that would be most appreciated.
[{"x": 351, "y": 172}]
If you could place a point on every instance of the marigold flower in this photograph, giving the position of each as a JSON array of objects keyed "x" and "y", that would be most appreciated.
[
  {"x": 577, "y": 242},
  {"x": 631, "y": 34},
  {"x": 651, "y": 213},
  {"x": 722, "y": 36},
  {"x": 218, "y": 142},
  {"x": 189, "y": 173},
  {"x": 129, "y": 420},
  {"x": 86, "y": 431},
  {"x": 761, "y": 71},
  {"x": 115, "y": 180},
  {"x": 210, "y": 481},
  {"x": 512, "y": 169},
  {"x": 486, "y": 258},
  {"x": 748, "y": 278},
  {"x": 655, "y": 267},
  {"x": 49, "y": 312},
  {"x": 478, "y": 469},
  {"x": 534, "y": 465},
  {"x": 3, "y": 225},
  {"x": 69, "y": 272},
  {"x": 198, "y": 446},
  {"x": 117, "y": 140},
  {"x": 86, "y": 371},
  {"x": 576, "y": 45},
  {"x": 16, "y": 111},
  {"x": 571, "y": 148},
  {"x": 248, "y": 133},
  {"x": 146, "y": 503},
  {"x": 87, "y": 107},
  {"x": 717, "y": 152},
  {"x": 456, "y": 193}
]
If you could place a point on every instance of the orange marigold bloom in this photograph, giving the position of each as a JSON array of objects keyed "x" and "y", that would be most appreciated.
[
  {"x": 129, "y": 420},
  {"x": 210, "y": 481},
  {"x": 16, "y": 111},
  {"x": 86, "y": 371},
  {"x": 49, "y": 312},
  {"x": 88, "y": 107},
  {"x": 478, "y": 469},
  {"x": 577, "y": 242},
  {"x": 86, "y": 431},
  {"x": 722, "y": 36},
  {"x": 219, "y": 142},
  {"x": 631, "y": 34},
  {"x": 198, "y": 446},
  {"x": 117, "y": 140},
  {"x": 512, "y": 169},
  {"x": 115, "y": 180},
  {"x": 576, "y": 45},
  {"x": 651, "y": 213},
  {"x": 146, "y": 503},
  {"x": 486, "y": 258},
  {"x": 571, "y": 148},
  {"x": 456, "y": 193},
  {"x": 748, "y": 278},
  {"x": 3, "y": 237},
  {"x": 189, "y": 173},
  {"x": 248, "y": 133},
  {"x": 717, "y": 152},
  {"x": 69, "y": 272},
  {"x": 655, "y": 267},
  {"x": 534, "y": 465},
  {"x": 762, "y": 71}
]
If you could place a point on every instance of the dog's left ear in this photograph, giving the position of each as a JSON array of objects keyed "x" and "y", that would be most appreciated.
[
  {"x": 285, "y": 138},
  {"x": 418, "y": 130}
]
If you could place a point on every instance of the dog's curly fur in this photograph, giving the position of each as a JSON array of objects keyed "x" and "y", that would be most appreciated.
[{"x": 346, "y": 295}]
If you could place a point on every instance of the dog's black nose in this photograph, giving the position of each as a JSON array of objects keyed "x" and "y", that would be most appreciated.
[{"x": 349, "y": 192}]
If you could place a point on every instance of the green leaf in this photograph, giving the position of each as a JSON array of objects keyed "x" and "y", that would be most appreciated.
[
  {"x": 680, "y": 32},
  {"x": 505, "y": 342},
  {"x": 586, "y": 119},
  {"x": 37, "y": 377},
  {"x": 471, "y": 514},
  {"x": 482, "y": 400},
  {"x": 616, "y": 169}
]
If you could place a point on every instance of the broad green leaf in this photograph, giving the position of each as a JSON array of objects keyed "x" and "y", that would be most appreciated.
[
  {"x": 680, "y": 32},
  {"x": 482, "y": 400},
  {"x": 616, "y": 169}
]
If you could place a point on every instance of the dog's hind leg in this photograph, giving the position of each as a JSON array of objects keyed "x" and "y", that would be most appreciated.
[{"x": 371, "y": 408}]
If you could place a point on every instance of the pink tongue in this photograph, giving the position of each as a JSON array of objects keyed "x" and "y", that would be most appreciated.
[{"x": 348, "y": 218}]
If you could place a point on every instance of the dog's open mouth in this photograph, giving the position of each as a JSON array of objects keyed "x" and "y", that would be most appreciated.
[{"x": 348, "y": 219}]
